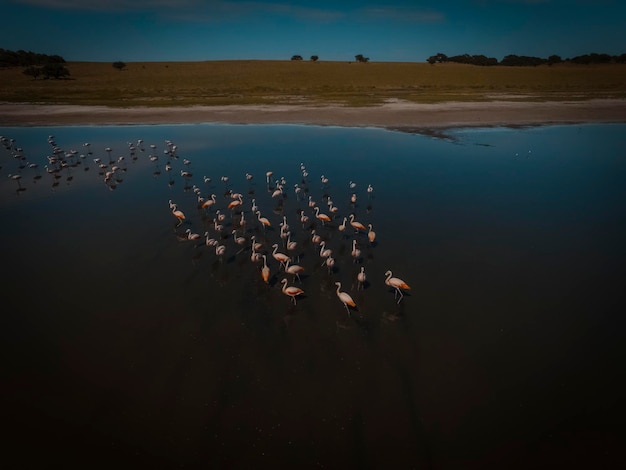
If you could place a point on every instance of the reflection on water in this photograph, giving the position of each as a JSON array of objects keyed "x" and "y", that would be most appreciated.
[{"x": 140, "y": 335}]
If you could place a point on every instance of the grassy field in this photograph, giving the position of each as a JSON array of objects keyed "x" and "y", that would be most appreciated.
[{"x": 305, "y": 82}]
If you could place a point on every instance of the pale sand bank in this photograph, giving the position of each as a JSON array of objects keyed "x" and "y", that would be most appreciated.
[{"x": 395, "y": 115}]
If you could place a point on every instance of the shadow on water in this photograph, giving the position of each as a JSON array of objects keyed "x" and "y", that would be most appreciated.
[{"x": 147, "y": 336}]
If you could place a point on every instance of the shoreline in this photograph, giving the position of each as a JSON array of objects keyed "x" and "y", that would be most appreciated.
[{"x": 394, "y": 115}]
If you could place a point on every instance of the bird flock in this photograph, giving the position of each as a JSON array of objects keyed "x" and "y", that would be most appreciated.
[{"x": 274, "y": 223}]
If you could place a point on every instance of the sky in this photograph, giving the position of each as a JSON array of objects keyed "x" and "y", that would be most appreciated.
[{"x": 383, "y": 30}]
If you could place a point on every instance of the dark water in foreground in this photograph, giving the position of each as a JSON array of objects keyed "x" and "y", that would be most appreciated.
[{"x": 126, "y": 345}]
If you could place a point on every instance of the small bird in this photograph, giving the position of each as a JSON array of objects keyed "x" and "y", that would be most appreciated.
[
  {"x": 397, "y": 284},
  {"x": 345, "y": 298},
  {"x": 291, "y": 291}
]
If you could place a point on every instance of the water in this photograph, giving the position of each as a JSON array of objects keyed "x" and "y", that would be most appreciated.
[{"x": 128, "y": 344}]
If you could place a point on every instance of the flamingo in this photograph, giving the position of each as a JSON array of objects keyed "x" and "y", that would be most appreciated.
[
  {"x": 356, "y": 225},
  {"x": 291, "y": 291},
  {"x": 209, "y": 202},
  {"x": 315, "y": 238},
  {"x": 254, "y": 256},
  {"x": 304, "y": 219},
  {"x": 330, "y": 263},
  {"x": 361, "y": 277},
  {"x": 256, "y": 245},
  {"x": 209, "y": 241},
  {"x": 282, "y": 258},
  {"x": 268, "y": 175},
  {"x": 263, "y": 220},
  {"x": 177, "y": 213},
  {"x": 342, "y": 227},
  {"x": 265, "y": 271},
  {"x": 294, "y": 269},
  {"x": 371, "y": 235},
  {"x": 241, "y": 241},
  {"x": 356, "y": 253},
  {"x": 236, "y": 203},
  {"x": 325, "y": 252},
  {"x": 345, "y": 298},
  {"x": 322, "y": 217},
  {"x": 397, "y": 284},
  {"x": 192, "y": 236},
  {"x": 220, "y": 250}
]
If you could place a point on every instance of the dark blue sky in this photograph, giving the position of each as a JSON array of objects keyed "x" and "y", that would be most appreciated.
[{"x": 386, "y": 30}]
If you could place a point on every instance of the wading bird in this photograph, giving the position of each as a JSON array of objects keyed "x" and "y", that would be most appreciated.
[
  {"x": 345, "y": 298},
  {"x": 265, "y": 271},
  {"x": 361, "y": 277},
  {"x": 397, "y": 284},
  {"x": 291, "y": 291}
]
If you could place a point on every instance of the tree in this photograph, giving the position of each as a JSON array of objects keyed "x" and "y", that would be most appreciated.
[
  {"x": 296, "y": 57},
  {"x": 314, "y": 58},
  {"x": 55, "y": 70},
  {"x": 554, "y": 59},
  {"x": 119, "y": 65},
  {"x": 360, "y": 58},
  {"x": 33, "y": 71}
]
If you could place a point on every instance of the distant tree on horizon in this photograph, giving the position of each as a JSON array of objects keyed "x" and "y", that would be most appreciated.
[
  {"x": 361, "y": 58},
  {"x": 119, "y": 65},
  {"x": 296, "y": 57},
  {"x": 314, "y": 58}
]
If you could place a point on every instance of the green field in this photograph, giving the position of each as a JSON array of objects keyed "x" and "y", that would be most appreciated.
[{"x": 305, "y": 82}]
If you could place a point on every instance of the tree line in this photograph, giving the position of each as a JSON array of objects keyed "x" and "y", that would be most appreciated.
[
  {"x": 25, "y": 58},
  {"x": 36, "y": 64},
  {"x": 522, "y": 60}
]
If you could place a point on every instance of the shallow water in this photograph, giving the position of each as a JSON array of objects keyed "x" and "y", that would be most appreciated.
[{"x": 128, "y": 343}]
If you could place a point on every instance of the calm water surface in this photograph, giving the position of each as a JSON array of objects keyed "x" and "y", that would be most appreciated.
[{"x": 128, "y": 345}]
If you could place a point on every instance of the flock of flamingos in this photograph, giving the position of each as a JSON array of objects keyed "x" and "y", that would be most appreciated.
[{"x": 238, "y": 223}]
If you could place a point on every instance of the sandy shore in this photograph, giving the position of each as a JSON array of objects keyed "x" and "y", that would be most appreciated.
[{"x": 394, "y": 115}]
